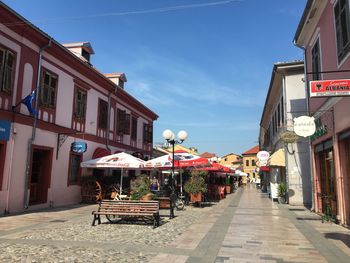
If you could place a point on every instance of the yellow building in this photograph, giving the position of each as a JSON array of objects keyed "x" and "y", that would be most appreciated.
[
  {"x": 231, "y": 160},
  {"x": 249, "y": 164}
]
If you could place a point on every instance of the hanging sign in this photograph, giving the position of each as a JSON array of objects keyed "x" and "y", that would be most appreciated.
[
  {"x": 5, "y": 127},
  {"x": 78, "y": 147},
  {"x": 304, "y": 126},
  {"x": 263, "y": 156},
  {"x": 330, "y": 88},
  {"x": 289, "y": 137}
]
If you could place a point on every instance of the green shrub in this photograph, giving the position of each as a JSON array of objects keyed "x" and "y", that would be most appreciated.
[
  {"x": 142, "y": 187},
  {"x": 282, "y": 190},
  {"x": 196, "y": 183}
]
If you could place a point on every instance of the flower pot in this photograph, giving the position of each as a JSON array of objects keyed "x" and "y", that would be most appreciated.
[
  {"x": 281, "y": 200},
  {"x": 147, "y": 197},
  {"x": 196, "y": 198},
  {"x": 228, "y": 189}
]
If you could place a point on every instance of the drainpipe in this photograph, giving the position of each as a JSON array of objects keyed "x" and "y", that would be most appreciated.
[
  {"x": 108, "y": 121},
  {"x": 286, "y": 153},
  {"x": 31, "y": 140},
  {"x": 308, "y": 113},
  {"x": 107, "y": 128}
]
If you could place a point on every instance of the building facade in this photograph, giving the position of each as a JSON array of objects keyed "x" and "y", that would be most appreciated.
[
  {"x": 249, "y": 164},
  {"x": 50, "y": 97},
  {"x": 324, "y": 35},
  {"x": 289, "y": 160},
  {"x": 232, "y": 161}
]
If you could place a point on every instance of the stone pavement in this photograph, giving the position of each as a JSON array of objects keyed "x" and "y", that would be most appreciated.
[{"x": 244, "y": 227}]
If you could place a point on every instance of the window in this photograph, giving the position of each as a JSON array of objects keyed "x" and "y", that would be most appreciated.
[
  {"x": 74, "y": 169},
  {"x": 147, "y": 133},
  {"x": 127, "y": 124},
  {"x": 120, "y": 121},
  {"x": 315, "y": 53},
  {"x": 86, "y": 55},
  {"x": 79, "y": 103},
  {"x": 103, "y": 114},
  {"x": 123, "y": 122},
  {"x": 282, "y": 111},
  {"x": 7, "y": 60},
  {"x": 133, "y": 128},
  {"x": 253, "y": 163},
  {"x": 279, "y": 115},
  {"x": 246, "y": 162},
  {"x": 275, "y": 115},
  {"x": 47, "y": 92},
  {"x": 342, "y": 24}
]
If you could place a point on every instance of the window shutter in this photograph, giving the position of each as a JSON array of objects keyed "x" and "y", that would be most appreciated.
[
  {"x": 7, "y": 74},
  {"x": 2, "y": 65},
  {"x": 127, "y": 124}
]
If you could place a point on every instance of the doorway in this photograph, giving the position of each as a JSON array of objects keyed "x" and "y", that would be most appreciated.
[
  {"x": 327, "y": 178},
  {"x": 2, "y": 161},
  {"x": 40, "y": 176}
]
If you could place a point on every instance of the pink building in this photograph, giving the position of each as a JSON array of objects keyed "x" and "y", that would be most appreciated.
[
  {"x": 75, "y": 103},
  {"x": 324, "y": 34}
]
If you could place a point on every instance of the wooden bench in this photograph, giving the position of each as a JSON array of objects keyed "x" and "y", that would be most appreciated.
[
  {"x": 166, "y": 203},
  {"x": 128, "y": 209}
]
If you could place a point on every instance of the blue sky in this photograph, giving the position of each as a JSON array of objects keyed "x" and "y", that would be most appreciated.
[{"x": 203, "y": 66}]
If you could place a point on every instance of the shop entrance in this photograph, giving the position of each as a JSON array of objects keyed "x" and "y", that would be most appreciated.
[
  {"x": 2, "y": 161},
  {"x": 328, "y": 184},
  {"x": 344, "y": 140},
  {"x": 40, "y": 175}
]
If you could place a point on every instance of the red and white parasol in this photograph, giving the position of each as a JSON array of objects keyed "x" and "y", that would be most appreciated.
[{"x": 182, "y": 160}]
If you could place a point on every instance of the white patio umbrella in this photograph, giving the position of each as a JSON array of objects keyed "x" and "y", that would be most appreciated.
[
  {"x": 118, "y": 160},
  {"x": 240, "y": 173}
]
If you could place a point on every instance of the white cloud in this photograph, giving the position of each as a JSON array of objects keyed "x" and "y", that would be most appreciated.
[{"x": 180, "y": 80}]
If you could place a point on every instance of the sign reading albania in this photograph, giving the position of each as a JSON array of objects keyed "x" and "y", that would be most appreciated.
[{"x": 304, "y": 126}]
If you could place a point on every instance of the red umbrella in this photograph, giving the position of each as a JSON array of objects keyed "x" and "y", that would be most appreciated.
[
  {"x": 182, "y": 160},
  {"x": 216, "y": 167}
]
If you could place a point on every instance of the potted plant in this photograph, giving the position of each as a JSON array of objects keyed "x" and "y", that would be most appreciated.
[
  {"x": 142, "y": 188},
  {"x": 228, "y": 185},
  {"x": 282, "y": 193},
  {"x": 196, "y": 185}
]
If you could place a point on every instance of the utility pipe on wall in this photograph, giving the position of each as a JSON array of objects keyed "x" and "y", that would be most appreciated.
[
  {"x": 307, "y": 93},
  {"x": 31, "y": 140}
]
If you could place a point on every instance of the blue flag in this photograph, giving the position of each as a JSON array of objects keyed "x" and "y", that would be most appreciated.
[{"x": 28, "y": 101}]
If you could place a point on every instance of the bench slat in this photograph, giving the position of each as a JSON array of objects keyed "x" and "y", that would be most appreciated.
[{"x": 132, "y": 208}]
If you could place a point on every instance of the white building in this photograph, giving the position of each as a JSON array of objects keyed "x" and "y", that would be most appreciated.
[
  {"x": 289, "y": 162},
  {"x": 75, "y": 103}
]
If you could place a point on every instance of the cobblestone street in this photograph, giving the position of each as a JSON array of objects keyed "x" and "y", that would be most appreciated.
[{"x": 244, "y": 227}]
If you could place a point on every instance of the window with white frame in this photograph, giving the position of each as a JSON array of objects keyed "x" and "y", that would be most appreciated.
[
  {"x": 47, "y": 92},
  {"x": 7, "y": 61},
  {"x": 342, "y": 24},
  {"x": 80, "y": 103},
  {"x": 102, "y": 114},
  {"x": 74, "y": 168},
  {"x": 316, "y": 61}
]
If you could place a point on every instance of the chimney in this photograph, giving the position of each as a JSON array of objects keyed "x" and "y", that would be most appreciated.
[
  {"x": 82, "y": 50},
  {"x": 117, "y": 78}
]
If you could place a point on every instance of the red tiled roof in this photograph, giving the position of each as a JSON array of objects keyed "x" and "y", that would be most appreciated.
[
  {"x": 207, "y": 155},
  {"x": 253, "y": 150}
]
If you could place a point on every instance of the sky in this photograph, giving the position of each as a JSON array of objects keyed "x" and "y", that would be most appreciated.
[{"x": 203, "y": 66}]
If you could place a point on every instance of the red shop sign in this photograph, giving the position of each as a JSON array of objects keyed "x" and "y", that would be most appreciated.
[{"x": 330, "y": 88}]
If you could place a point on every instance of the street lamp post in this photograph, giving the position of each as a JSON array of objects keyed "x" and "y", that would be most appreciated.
[{"x": 169, "y": 136}]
